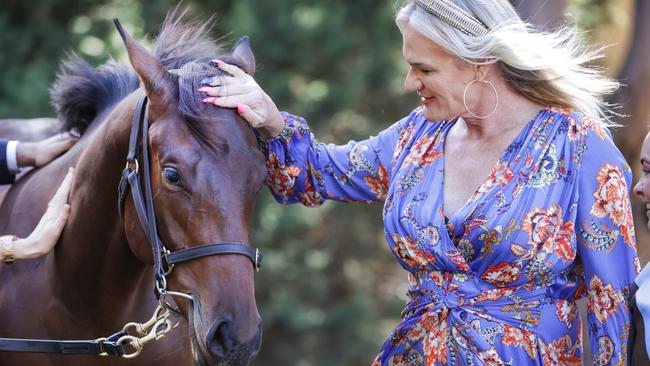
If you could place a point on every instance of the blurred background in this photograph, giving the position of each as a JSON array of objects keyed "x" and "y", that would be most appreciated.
[{"x": 330, "y": 291}]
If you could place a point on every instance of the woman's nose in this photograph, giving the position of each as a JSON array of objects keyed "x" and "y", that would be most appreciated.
[
  {"x": 411, "y": 83},
  {"x": 638, "y": 188}
]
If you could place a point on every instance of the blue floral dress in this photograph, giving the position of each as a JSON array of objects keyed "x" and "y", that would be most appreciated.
[{"x": 496, "y": 283}]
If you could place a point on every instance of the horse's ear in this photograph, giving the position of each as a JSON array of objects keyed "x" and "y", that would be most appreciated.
[
  {"x": 243, "y": 53},
  {"x": 158, "y": 83}
]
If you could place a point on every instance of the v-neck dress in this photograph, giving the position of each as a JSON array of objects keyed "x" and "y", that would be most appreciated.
[{"x": 496, "y": 283}]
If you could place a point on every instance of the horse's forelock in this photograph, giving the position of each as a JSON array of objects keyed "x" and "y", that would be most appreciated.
[
  {"x": 182, "y": 41},
  {"x": 198, "y": 115}
]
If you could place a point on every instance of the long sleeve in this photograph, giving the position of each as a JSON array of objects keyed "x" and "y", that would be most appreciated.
[
  {"x": 606, "y": 246},
  {"x": 301, "y": 169},
  {"x": 6, "y": 176}
]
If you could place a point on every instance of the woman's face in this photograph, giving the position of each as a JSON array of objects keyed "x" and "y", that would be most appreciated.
[
  {"x": 438, "y": 77},
  {"x": 642, "y": 187}
]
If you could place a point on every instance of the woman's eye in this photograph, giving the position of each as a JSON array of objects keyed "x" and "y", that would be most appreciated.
[{"x": 171, "y": 176}]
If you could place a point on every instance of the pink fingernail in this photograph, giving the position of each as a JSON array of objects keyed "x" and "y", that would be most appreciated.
[
  {"x": 241, "y": 109},
  {"x": 218, "y": 62},
  {"x": 209, "y": 100},
  {"x": 205, "y": 89}
]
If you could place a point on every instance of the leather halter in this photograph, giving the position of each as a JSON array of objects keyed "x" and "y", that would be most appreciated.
[{"x": 146, "y": 215}]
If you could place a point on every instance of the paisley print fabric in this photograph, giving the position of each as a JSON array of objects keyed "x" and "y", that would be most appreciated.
[{"x": 496, "y": 283}]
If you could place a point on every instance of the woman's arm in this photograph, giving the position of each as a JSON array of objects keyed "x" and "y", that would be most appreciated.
[
  {"x": 47, "y": 232},
  {"x": 606, "y": 246},
  {"x": 301, "y": 169}
]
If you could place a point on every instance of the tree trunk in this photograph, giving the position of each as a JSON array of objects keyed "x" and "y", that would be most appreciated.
[
  {"x": 633, "y": 97},
  {"x": 544, "y": 14}
]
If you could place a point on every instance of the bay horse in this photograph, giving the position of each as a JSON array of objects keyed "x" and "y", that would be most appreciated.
[{"x": 206, "y": 170}]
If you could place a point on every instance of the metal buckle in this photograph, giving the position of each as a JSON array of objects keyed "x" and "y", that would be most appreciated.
[
  {"x": 100, "y": 342},
  {"x": 258, "y": 260},
  {"x": 165, "y": 255},
  {"x": 131, "y": 165}
]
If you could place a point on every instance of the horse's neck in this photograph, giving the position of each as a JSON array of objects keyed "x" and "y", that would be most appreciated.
[{"x": 93, "y": 254}]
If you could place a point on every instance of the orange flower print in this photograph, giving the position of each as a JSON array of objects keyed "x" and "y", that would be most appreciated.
[
  {"x": 513, "y": 336},
  {"x": 491, "y": 358},
  {"x": 280, "y": 178},
  {"x": 423, "y": 153},
  {"x": 612, "y": 201},
  {"x": 561, "y": 352},
  {"x": 456, "y": 258},
  {"x": 406, "y": 249},
  {"x": 581, "y": 128},
  {"x": 502, "y": 274},
  {"x": 405, "y": 136},
  {"x": 566, "y": 311},
  {"x": 547, "y": 232},
  {"x": 493, "y": 295},
  {"x": 500, "y": 175},
  {"x": 434, "y": 343},
  {"x": 311, "y": 197},
  {"x": 378, "y": 184},
  {"x": 602, "y": 299}
]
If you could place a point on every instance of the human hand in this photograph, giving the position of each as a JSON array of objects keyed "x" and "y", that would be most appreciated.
[
  {"x": 241, "y": 91},
  {"x": 39, "y": 153},
  {"x": 47, "y": 232}
]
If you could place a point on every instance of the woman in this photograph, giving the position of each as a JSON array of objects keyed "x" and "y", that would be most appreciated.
[
  {"x": 494, "y": 271},
  {"x": 15, "y": 155},
  {"x": 641, "y": 300}
]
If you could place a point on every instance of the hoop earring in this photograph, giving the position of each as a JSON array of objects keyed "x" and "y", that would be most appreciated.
[{"x": 496, "y": 94}]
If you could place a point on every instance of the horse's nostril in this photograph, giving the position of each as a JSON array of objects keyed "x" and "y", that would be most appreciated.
[{"x": 220, "y": 339}]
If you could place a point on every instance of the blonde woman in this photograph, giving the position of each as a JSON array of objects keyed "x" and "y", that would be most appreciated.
[{"x": 504, "y": 197}]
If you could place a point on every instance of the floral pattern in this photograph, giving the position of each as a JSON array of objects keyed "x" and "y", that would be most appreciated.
[
  {"x": 612, "y": 200},
  {"x": 497, "y": 283}
]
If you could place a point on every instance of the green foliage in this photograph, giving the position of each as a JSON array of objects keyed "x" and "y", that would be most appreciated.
[{"x": 590, "y": 13}]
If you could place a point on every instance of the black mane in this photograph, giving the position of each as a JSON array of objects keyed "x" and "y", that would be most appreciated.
[{"x": 81, "y": 92}]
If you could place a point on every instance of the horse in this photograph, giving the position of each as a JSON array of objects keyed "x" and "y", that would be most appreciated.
[{"x": 206, "y": 169}]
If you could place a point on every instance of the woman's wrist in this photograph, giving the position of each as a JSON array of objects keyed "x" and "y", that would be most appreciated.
[
  {"x": 273, "y": 129},
  {"x": 24, "y": 155},
  {"x": 7, "y": 252}
]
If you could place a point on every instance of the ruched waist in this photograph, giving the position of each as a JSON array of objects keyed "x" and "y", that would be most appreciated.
[{"x": 519, "y": 306}]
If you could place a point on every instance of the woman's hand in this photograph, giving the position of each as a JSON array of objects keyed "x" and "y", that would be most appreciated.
[
  {"x": 39, "y": 153},
  {"x": 47, "y": 232},
  {"x": 242, "y": 92}
]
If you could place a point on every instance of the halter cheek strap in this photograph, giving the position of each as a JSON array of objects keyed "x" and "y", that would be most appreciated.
[{"x": 146, "y": 214}]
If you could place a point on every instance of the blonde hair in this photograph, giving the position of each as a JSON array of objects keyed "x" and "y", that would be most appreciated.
[{"x": 552, "y": 69}]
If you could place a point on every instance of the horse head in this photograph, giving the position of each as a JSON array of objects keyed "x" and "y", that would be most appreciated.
[{"x": 206, "y": 170}]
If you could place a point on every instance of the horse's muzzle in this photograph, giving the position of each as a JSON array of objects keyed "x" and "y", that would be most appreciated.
[{"x": 226, "y": 349}]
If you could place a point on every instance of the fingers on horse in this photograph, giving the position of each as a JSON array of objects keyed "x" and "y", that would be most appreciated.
[
  {"x": 231, "y": 69},
  {"x": 231, "y": 101},
  {"x": 61, "y": 195},
  {"x": 63, "y": 145},
  {"x": 63, "y": 217},
  {"x": 226, "y": 90},
  {"x": 254, "y": 118},
  {"x": 213, "y": 81}
]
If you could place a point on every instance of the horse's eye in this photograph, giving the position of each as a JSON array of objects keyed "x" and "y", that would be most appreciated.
[{"x": 171, "y": 176}]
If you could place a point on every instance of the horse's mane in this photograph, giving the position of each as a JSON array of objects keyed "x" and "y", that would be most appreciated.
[{"x": 81, "y": 92}]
